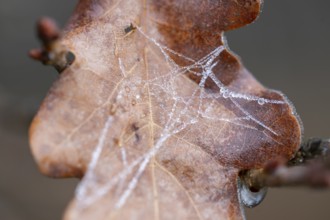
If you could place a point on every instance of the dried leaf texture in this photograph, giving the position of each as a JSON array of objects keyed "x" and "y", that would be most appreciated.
[{"x": 156, "y": 114}]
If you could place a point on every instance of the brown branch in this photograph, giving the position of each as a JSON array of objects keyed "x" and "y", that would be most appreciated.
[{"x": 310, "y": 167}]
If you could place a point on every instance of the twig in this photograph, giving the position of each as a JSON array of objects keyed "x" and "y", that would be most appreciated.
[
  {"x": 309, "y": 167},
  {"x": 52, "y": 52}
]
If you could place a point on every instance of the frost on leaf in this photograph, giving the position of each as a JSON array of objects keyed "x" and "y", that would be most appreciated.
[{"x": 156, "y": 114}]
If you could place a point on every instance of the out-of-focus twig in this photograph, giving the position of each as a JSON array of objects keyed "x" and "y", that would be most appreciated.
[
  {"x": 309, "y": 167},
  {"x": 52, "y": 52}
]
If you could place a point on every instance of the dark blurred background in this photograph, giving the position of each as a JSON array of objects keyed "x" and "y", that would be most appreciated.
[{"x": 286, "y": 49}]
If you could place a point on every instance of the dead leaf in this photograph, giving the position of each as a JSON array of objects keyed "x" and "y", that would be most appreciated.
[{"x": 156, "y": 114}]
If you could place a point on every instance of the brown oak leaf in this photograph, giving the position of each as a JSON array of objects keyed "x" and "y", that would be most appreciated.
[{"x": 156, "y": 114}]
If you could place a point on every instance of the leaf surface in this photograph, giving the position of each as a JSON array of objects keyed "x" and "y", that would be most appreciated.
[{"x": 156, "y": 114}]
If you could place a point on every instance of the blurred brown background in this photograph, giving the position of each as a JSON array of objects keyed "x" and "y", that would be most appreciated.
[{"x": 287, "y": 49}]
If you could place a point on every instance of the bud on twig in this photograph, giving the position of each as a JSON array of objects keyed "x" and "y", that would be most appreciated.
[{"x": 52, "y": 52}]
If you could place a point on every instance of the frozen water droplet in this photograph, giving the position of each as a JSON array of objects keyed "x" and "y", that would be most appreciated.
[
  {"x": 193, "y": 121},
  {"x": 248, "y": 197},
  {"x": 261, "y": 101},
  {"x": 226, "y": 94}
]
